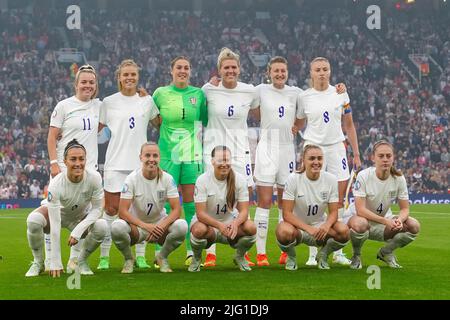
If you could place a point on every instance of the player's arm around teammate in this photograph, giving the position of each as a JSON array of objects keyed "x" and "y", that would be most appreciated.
[
  {"x": 275, "y": 152},
  {"x": 142, "y": 214},
  {"x": 375, "y": 189},
  {"x": 228, "y": 106},
  {"x": 127, "y": 116},
  {"x": 308, "y": 193},
  {"x": 326, "y": 112},
  {"x": 183, "y": 112},
  {"x": 221, "y": 202},
  {"x": 75, "y": 118},
  {"x": 74, "y": 202}
]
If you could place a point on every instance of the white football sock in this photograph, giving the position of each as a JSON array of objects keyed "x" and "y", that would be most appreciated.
[
  {"x": 211, "y": 249},
  {"x": 358, "y": 240},
  {"x": 262, "y": 226},
  {"x": 94, "y": 238},
  {"x": 174, "y": 238},
  {"x": 35, "y": 233},
  {"x": 398, "y": 241},
  {"x": 140, "y": 249},
  {"x": 105, "y": 247}
]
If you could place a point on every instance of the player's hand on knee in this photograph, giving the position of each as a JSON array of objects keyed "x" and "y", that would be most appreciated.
[
  {"x": 225, "y": 229},
  {"x": 324, "y": 229},
  {"x": 398, "y": 224},
  {"x": 233, "y": 230},
  {"x": 158, "y": 231}
]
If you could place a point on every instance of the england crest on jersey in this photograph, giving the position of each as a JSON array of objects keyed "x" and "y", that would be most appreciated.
[
  {"x": 161, "y": 195},
  {"x": 193, "y": 101}
]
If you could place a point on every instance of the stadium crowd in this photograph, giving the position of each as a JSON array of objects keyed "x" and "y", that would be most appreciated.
[{"x": 386, "y": 102}]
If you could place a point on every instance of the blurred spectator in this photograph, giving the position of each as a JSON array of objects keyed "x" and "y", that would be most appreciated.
[{"x": 35, "y": 190}]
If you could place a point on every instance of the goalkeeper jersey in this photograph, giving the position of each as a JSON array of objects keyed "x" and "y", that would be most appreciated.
[{"x": 183, "y": 113}]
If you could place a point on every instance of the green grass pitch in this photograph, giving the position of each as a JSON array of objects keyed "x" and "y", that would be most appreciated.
[{"x": 424, "y": 275}]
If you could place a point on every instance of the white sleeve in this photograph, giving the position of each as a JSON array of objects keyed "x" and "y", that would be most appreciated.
[
  {"x": 205, "y": 88},
  {"x": 127, "y": 189},
  {"x": 103, "y": 116},
  {"x": 289, "y": 187},
  {"x": 171, "y": 187},
  {"x": 346, "y": 98},
  {"x": 200, "y": 193},
  {"x": 402, "y": 189},
  {"x": 242, "y": 191},
  {"x": 300, "y": 108},
  {"x": 54, "y": 216},
  {"x": 359, "y": 188},
  {"x": 255, "y": 99},
  {"x": 334, "y": 194},
  {"x": 154, "y": 111},
  {"x": 346, "y": 103},
  {"x": 95, "y": 212},
  {"x": 57, "y": 118},
  {"x": 98, "y": 193}
]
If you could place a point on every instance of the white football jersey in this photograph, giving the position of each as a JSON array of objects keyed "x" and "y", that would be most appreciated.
[
  {"x": 127, "y": 118},
  {"x": 278, "y": 109},
  {"x": 214, "y": 192},
  {"x": 77, "y": 120},
  {"x": 311, "y": 198},
  {"x": 74, "y": 199},
  {"x": 323, "y": 111},
  {"x": 227, "y": 117},
  {"x": 379, "y": 194},
  {"x": 148, "y": 196}
]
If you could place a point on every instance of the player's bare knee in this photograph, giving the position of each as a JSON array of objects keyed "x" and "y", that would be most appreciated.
[
  {"x": 342, "y": 232},
  {"x": 249, "y": 228},
  {"x": 199, "y": 230},
  {"x": 343, "y": 236},
  {"x": 285, "y": 233},
  {"x": 412, "y": 225},
  {"x": 358, "y": 224}
]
